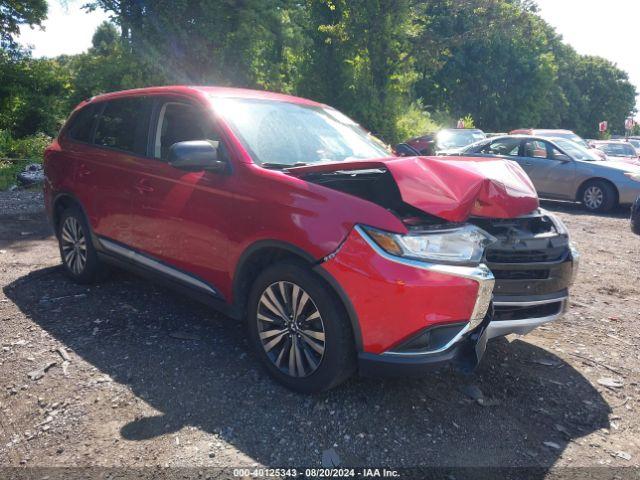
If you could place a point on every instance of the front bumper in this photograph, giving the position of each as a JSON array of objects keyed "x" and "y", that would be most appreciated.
[
  {"x": 535, "y": 313},
  {"x": 534, "y": 266},
  {"x": 465, "y": 354},
  {"x": 397, "y": 300}
]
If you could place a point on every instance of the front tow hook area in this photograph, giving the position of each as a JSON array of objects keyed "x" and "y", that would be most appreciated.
[
  {"x": 465, "y": 355},
  {"x": 473, "y": 347}
]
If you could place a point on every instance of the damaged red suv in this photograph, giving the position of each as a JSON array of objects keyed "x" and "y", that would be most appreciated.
[{"x": 285, "y": 213}]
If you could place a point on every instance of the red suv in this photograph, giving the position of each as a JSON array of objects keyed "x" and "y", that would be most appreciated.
[{"x": 286, "y": 214}]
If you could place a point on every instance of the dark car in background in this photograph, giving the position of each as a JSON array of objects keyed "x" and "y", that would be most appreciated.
[
  {"x": 562, "y": 169},
  {"x": 445, "y": 140}
]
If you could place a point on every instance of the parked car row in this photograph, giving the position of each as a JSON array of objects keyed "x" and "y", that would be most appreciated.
[
  {"x": 339, "y": 255},
  {"x": 560, "y": 164}
]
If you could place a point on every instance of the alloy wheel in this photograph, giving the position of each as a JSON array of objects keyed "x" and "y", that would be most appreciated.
[
  {"x": 291, "y": 329},
  {"x": 593, "y": 197},
  {"x": 74, "y": 245}
]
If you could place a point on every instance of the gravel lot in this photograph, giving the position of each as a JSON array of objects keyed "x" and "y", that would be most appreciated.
[{"x": 127, "y": 373}]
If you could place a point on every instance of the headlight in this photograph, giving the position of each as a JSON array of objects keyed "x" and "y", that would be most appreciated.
[
  {"x": 559, "y": 224},
  {"x": 633, "y": 176},
  {"x": 459, "y": 245}
]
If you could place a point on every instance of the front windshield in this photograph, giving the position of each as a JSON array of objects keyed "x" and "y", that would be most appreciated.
[
  {"x": 280, "y": 134},
  {"x": 617, "y": 149},
  {"x": 576, "y": 151},
  {"x": 458, "y": 138},
  {"x": 567, "y": 136}
]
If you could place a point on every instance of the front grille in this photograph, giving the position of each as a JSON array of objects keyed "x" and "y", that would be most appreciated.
[
  {"x": 519, "y": 312},
  {"x": 520, "y": 274},
  {"x": 525, "y": 256},
  {"x": 530, "y": 258}
]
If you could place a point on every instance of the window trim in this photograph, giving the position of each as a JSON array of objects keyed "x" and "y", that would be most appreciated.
[{"x": 159, "y": 100}]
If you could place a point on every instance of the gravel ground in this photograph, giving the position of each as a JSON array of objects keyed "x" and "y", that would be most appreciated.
[{"x": 126, "y": 373}]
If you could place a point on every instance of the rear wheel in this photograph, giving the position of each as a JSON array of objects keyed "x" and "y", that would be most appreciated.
[
  {"x": 299, "y": 330},
  {"x": 78, "y": 254},
  {"x": 598, "y": 196}
]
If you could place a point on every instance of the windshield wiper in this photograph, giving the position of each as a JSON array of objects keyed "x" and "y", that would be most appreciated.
[{"x": 277, "y": 166}]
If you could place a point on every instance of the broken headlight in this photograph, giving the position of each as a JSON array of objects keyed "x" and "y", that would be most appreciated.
[{"x": 459, "y": 245}]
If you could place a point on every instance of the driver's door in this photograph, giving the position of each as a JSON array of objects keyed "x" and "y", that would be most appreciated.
[
  {"x": 551, "y": 172},
  {"x": 181, "y": 217}
]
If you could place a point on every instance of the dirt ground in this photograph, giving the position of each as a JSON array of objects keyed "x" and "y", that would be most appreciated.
[{"x": 127, "y": 373}]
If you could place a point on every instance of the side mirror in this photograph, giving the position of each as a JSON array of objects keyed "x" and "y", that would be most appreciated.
[
  {"x": 562, "y": 158},
  {"x": 196, "y": 155}
]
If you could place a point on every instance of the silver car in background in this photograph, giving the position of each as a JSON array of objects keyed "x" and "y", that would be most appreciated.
[{"x": 563, "y": 170}]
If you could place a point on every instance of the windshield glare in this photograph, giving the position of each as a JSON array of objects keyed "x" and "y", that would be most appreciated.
[
  {"x": 576, "y": 151},
  {"x": 283, "y": 133},
  {"x": 458, "y": 138}
]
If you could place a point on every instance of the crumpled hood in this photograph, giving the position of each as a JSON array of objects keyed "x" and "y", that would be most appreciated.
[{"x": 453, "y": 188}]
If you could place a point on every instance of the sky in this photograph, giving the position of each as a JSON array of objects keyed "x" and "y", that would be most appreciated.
[{"x": 595, "y": 27}]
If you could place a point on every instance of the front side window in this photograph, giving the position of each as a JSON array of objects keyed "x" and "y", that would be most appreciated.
[
  {"x": 180, "y": 122},
  {"x": 124, "y": 125},
  {"x": 279, "y": 134},
  {"x": 535, "y": 149}
]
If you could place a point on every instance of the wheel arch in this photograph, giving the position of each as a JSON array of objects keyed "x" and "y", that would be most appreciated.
[
  {"x": 61, "y": 202},
  {"x": 264, "y": 253}
]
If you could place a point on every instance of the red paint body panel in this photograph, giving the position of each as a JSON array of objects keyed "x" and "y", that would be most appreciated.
[
  {"x": 395, "y": 301},
  {"x": 202, "y": 222},
  {"x": 453, "y": 188}
]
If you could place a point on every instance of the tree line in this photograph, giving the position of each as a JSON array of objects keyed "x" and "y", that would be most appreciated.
[{"x": 399, "y": 67}]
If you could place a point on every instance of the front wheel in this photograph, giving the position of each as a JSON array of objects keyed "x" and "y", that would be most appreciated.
[
  {"x": 299, "y": 330},
  {"x": 598, "y": 196}
]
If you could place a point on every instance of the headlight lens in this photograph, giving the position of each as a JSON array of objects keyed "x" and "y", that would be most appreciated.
[
  {"x": 559, "y": 224},
  {"x": 459, "y": 245}
]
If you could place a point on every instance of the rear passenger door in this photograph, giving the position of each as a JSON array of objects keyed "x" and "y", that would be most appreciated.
[
  {"x": 181, "y": 217},
  {"x": 104, "y": 154}
]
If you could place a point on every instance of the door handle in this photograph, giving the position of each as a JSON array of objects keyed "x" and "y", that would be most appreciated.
[
  {"x": 143, "y": 187},
  {"x": 528, "y": 164}
]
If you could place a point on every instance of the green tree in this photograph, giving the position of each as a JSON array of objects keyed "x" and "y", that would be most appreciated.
[
  {"x": 16, "y": 13},
  {"x": 32, "y": 95}
]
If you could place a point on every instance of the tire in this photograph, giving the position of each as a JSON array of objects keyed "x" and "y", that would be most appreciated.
[
  {"x": 289, "y": 355},
  {"x": 635, "y": 217},
  {"x": 598, "y": 196},
  {"x": 78, "y": 254}
]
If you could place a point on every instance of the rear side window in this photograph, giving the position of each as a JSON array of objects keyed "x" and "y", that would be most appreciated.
[
  {"x": 124, "y": 125},
  {"x": 504, "y": 146},
  {"x": 81, "y": 125}
]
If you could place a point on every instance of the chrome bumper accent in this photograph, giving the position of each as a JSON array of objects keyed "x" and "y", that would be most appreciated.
[
  {"x": 480, "y": 274},
  {"x": 500, "y": 328}
]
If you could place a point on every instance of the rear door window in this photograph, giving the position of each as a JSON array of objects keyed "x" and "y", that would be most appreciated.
[
  {"x": 124, "y": 125},
  {"x": 503, "y": 146},
  {"x": 81, "y": 125}
]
